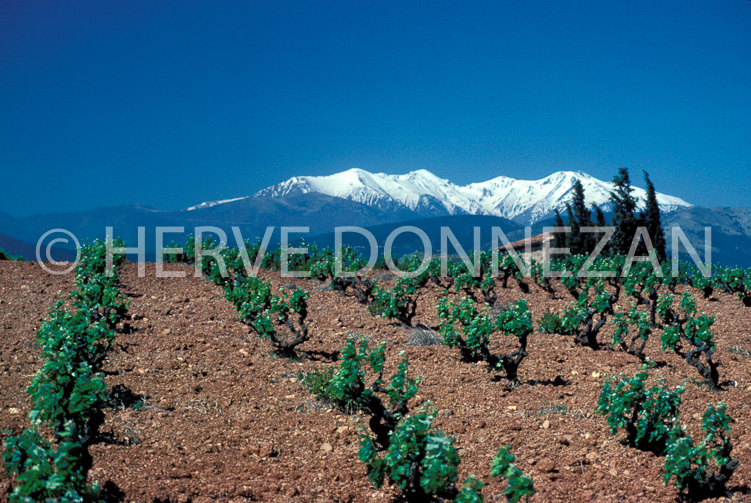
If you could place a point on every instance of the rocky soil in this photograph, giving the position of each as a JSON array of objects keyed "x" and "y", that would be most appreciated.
[{"x": 203, "y": 412}]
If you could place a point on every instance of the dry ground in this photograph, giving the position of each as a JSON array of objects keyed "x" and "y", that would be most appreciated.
[{"x": 207, "y": 414}]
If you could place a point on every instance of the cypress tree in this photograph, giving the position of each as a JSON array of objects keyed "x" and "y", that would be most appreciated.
[
  {"x": 580, "y": 242},
  {"x": 559, "y": 238},
  {"x": 624, "y": 219},
  {"x": 570, "y": 236},
  {"x": 600, "y": 222},
  {"x": 651, "y": 218},
  {"x": 599, "y": 216}
]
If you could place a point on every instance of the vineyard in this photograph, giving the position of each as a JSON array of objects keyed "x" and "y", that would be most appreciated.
[{"x": 496, "y": 386}]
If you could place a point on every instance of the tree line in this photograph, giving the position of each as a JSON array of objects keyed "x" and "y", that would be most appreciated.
[{"x": 625, "y": 220}]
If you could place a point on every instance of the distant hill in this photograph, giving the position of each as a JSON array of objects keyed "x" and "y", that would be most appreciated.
[
  {"x": 381, "y": 203},
  {"x": 426, "y": 195},
  {"x": 462, "y": 226},
  {"x": 321, "y": 213},
  {"x": 730, "y": 230},
  {"x": 28, "y": 251}
]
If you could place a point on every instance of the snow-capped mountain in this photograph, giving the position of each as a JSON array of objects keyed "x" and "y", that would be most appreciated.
[
  {"x": 525, "y": 201},
  {"x": 209, "y": 204}
]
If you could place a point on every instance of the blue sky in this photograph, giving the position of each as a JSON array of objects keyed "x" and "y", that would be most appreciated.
[{"x": 172, "y": 103}]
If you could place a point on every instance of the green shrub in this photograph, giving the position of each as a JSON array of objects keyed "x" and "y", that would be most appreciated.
[
  {"x": 671, "y": 280},
  {"x": 565, "y": 323},
  {"x": 324, "y": 268},
  {"x": 638, "y": 320},
  {"x": 419, "y": 460},
  {"x": 515, "y": 321},
  {"x": 643, "y": 284},
  {"x": 4, "y": 255},
  {"x": 698, "y": 281},
  {"x": 464, "y": 327},
  {"x": 482, "y": 280},
  {"x": 399, "y": 302},
  {"x": 471, "y": 491},
  {"x": 702, "y": 470},
  {"x": 173, "y": 257},
  {"x": 189, "y": 250},
  {"x": 572, "y": 264},
  {"x": 734, "y": 280},
  {"x": 44, "y": 473},
  {"x": 681, "y": 326},
  {"x": 537, "y": 271},
  {"x": 101, "y": 300},
  {"x": 400, "y": 442},
  {"x": 68, "y": 392},
  {"x": 347, "y": 387},
  {"x": 578, "y": 319},
  {"x": 97, "y": 289},
  {"x": 476, "y": 281},
  {"x": 278, "y": 318},
  {"x": 519, "y": 485},
  {"x": 647, "y": 414},
  {"x": 507, "y": 268},
  {"x": 70, "y": 385},
  {"x": 381, "y": 263}
]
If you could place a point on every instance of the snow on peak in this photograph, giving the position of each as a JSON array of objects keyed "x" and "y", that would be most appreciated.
[
  {"x": 529, "y": 201},
  {"x": 372, "y": 189},
  {"x": 526, "y": 201},
  {"x": 209, "y": 204}
]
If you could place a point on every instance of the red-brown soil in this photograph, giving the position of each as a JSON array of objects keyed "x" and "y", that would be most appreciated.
[{"x": 224, "y": 420}]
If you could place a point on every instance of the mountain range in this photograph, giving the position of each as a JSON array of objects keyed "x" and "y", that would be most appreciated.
[
  {"x": 426, "y": 195},
  {"x": 381, "y": 202}
]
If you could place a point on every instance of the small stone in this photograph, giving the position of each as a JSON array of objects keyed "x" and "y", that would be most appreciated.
[
  {"x": 546, "y": 465},
  {"x": 327, "y": 447},
  {"x": 613, "y": 472},
  {"x": 596, "y": 374},
  {"x": 574, "y": 372},
  {"x": 180, "y": 474},
  {"x": 289, "y": 397},
  {"x": 266, "y": 450},
  {"x": 244, "y": 352},
  {"x": 341, "y": 429},
  {"x": 566, "y": 439},
  {"x": 166, "y": 331},
  {"x": 511, "y": 407},
  {"x": 545, "y": 424},
  {"x": 13, "y": 410}
]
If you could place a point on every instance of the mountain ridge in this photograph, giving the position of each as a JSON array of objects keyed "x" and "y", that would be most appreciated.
[{"x": 427, "y": 195}]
